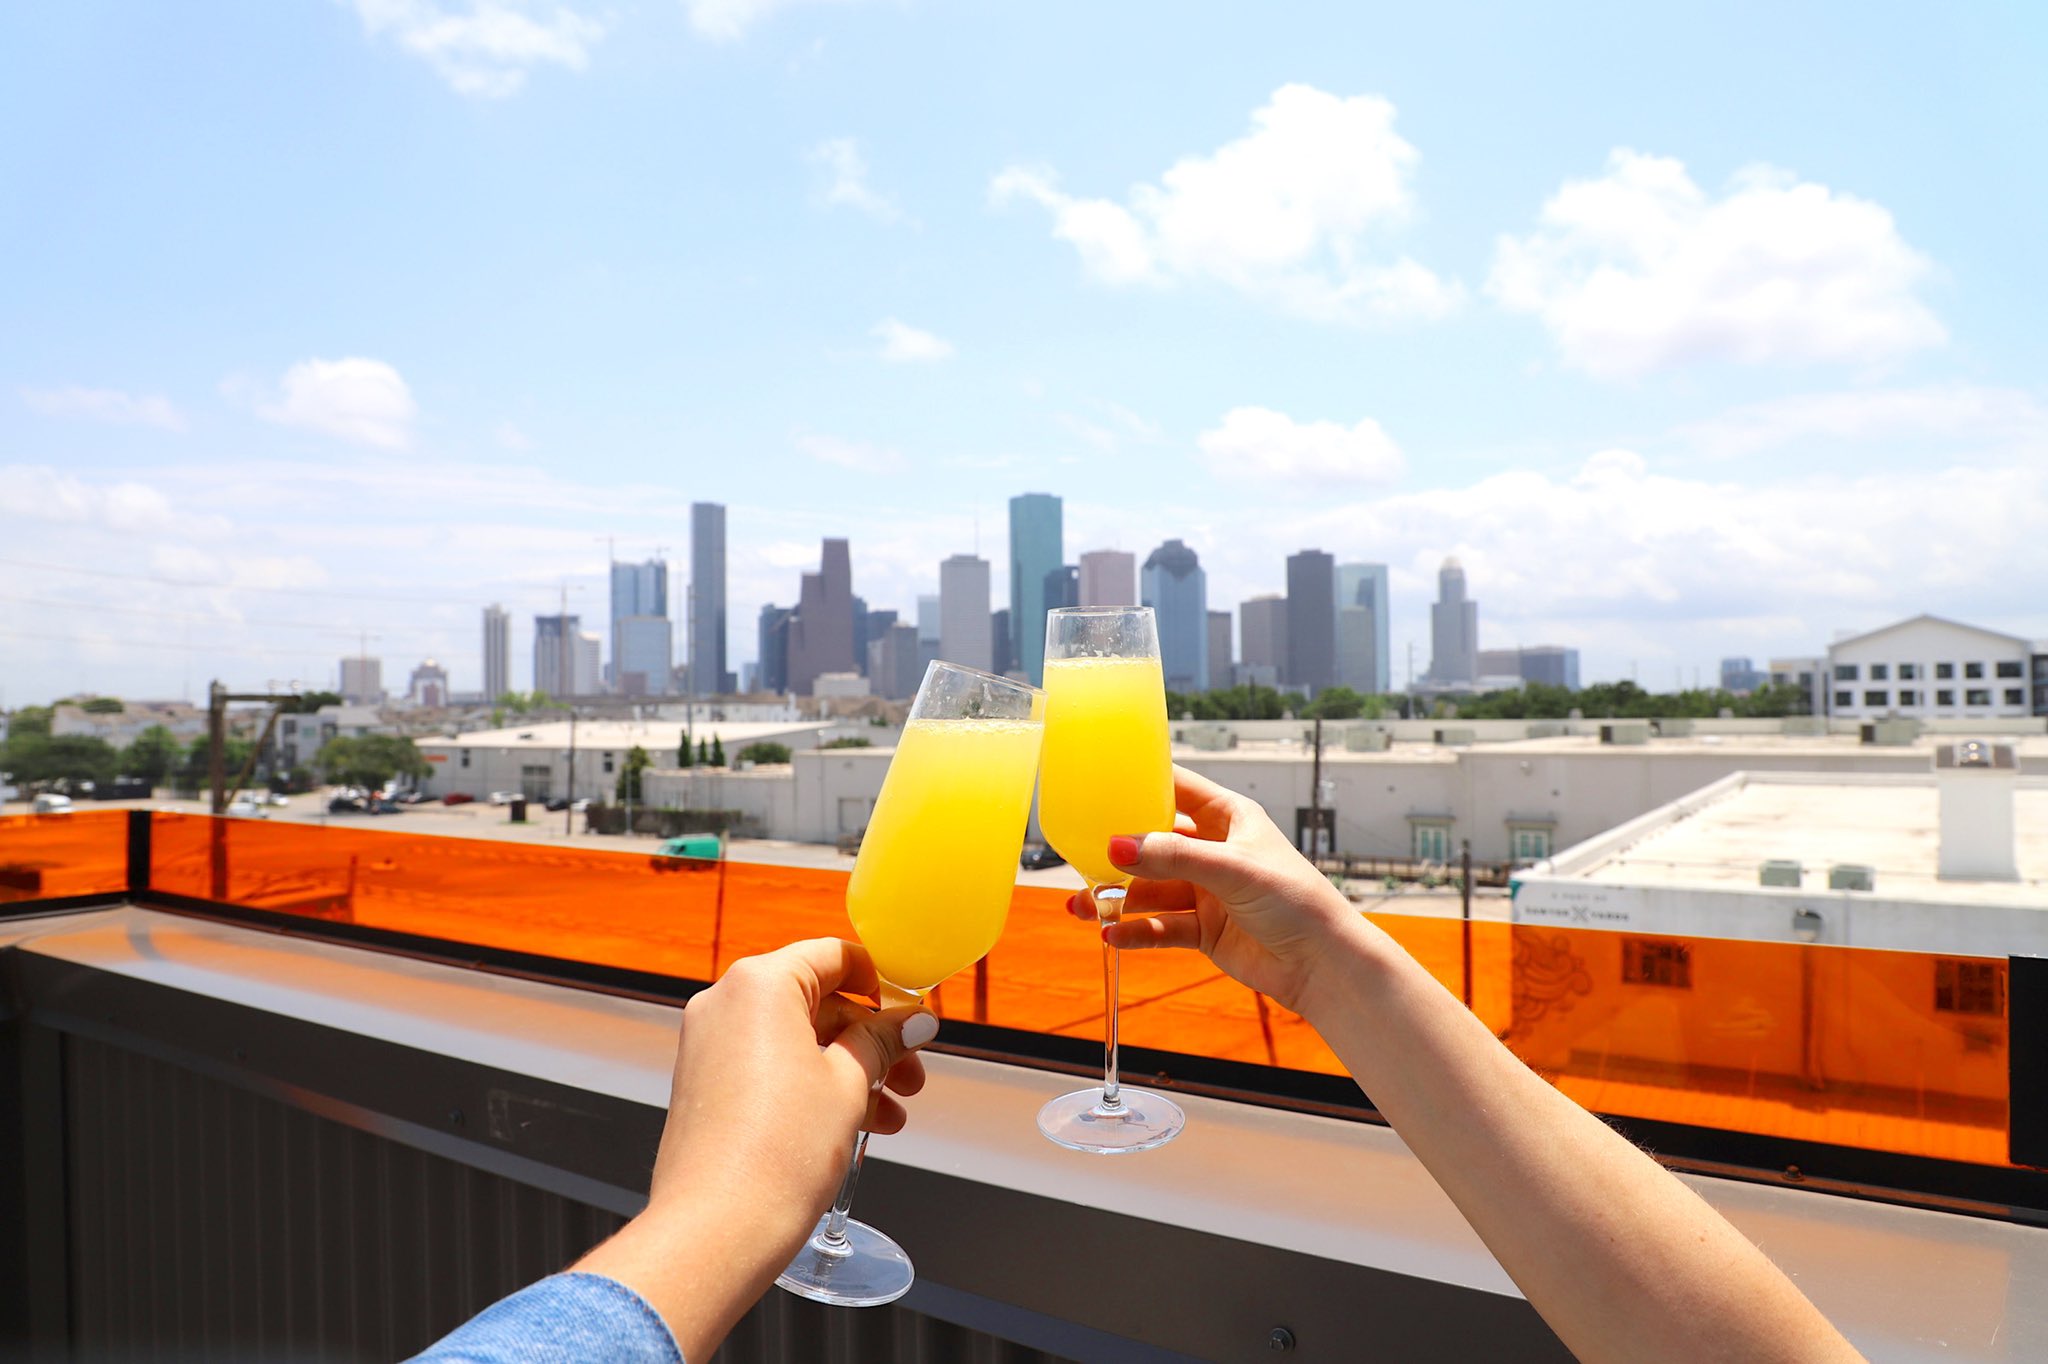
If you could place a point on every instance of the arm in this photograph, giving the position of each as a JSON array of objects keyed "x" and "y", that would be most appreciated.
[{"x": 1622, "y": 1260}]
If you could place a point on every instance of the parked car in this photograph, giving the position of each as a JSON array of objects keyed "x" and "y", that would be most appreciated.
[
  {"x": 246, "y": 807},
  {"x": 556, "y": 804},
  {"x": 344, "y": 805},
  {"x": 411, "y": 797},
  {"x": 503, "y": 797},
  {"x": 1039, "y": 856},
  {"x": 378, "y": 805},
  {"x": 275, "y": 798},
  {"x": 457, "y": 798},
  {"x": 697, "y": 851},
  {"x": 50, "y": 803}
]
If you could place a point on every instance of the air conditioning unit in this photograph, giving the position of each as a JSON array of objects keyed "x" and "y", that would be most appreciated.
[
  {"x": 1892, "y": 733},
  {"x": 1367, "y": 739},
  {"x": 1673, "y": 729},
  {"x": 1625, "y": 732},
  {"x": 1852, "y": 876},
  {"x": 1456, "y": 738},
  {"x": 1780, "y": 871},
  {"x": 1548, "y": 729}
]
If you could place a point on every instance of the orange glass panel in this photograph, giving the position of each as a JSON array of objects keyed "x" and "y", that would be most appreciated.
[
  {"x": 46, "y": 856},
  {"x": 1888, "y": 1050}
]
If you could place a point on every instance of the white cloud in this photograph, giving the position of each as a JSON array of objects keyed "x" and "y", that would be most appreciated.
[
  {"x": 357, "y": 399},
  {"x": 1261, "y": 445},
  {"x": 106, "y": 405},
  {"x": 1283, "y": 214},
  {"x": 1117, "y": 427},
  {"x": 845, "y": 181},
  {"x": 1641, "y": 270},
  {"x": 486, "y": 47},
  {"x": 903, "y": 343},
  {"x": 859, "y": 455},
  {"x": 39, "y": 492},
  {"x": 1950, "y": 414}
]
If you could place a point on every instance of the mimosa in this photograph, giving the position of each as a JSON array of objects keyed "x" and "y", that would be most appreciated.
[
  {"x": 938, "y": 863},
  {"x": 1106, "y": 768}
]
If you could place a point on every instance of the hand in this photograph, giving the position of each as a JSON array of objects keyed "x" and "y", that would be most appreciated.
[
  {"x": 775, "y": 1073},
  {"x": 1236, "y": 889}
]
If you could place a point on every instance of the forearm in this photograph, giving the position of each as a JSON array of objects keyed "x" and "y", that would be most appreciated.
[{"x": 1622, "y": 1259}]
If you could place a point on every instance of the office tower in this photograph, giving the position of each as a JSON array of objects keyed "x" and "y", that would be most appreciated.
[
  {"x": 588, "y": 657},
  {"x": 428, "y": 685},
  {"x": 642, "y": 647},
  {"x": 873, "y": 628},
  {"x": 362, "y": 681},
  {"x": 497, "y": 653},
  {"x": 1355, "y": 648},
  {"x": 1219, "y": 650},
  {"x": 1262, "y": 634},
  {"x": 1000, "y": 644},
  {"x": 638, "y": 590},
  {"x": 1311, "y": 620},
  {"x": 1037, "y": 548},
  {"x": 1366, "y": 585},
  {"x": 554, "y": 669},
  {"x": 1176, "y": 589},
  {"x": 1553, "y": 665},
  {"x": 821, "y": 636},
  {"x": 964, "y": 624},
  {"x": 927, "y": 632},
  {"x": 771, "y": 673},
  {"x": 1454, "y": 630},
  {"x": 1063, "y": 587},
  {"x": 706, "y": 644},
  {"x": 860, "y": 635},
  {"x": 1109, "y": 577},
  {"x": 1741, "y": 675},
  {"x": 893, "y": 668}
]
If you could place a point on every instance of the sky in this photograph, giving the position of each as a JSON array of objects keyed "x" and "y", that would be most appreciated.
[{"x": 326, "y": 323}]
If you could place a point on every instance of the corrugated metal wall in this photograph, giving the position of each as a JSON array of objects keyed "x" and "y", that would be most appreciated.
[{"x": 209, "y": 1223}]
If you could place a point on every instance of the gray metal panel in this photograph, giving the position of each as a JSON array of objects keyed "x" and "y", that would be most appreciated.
[{"x": 209, "y": 1222}]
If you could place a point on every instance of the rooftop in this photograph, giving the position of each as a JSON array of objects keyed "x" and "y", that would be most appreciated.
[{"x": 648, "y": 734}]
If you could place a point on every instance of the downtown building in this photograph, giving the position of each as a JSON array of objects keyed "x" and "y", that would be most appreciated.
[
  {"x": 643, "y": 640},
  {"x": 966, "y": 628},
  {"x": 1454, "y": 631},
  {"x": 705, "y": 633},
  {"x": 1311, "y": 621},
  {"x": 821, "y": 631},
  {"x": 1037, "y": 551},
  {"x": 497, "y": 653},
  {"x": 1363, "y": 654},
  {"x": 1108, "y": 577},
  {"x": 1174, "y": 586}
]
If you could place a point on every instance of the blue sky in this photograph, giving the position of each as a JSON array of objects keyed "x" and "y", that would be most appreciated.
[{"x": 1691, "y": 335}]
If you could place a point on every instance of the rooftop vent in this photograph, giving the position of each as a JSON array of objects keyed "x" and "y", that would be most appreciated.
[
  {"x": 1367, "y": 739},
  {"x": 1852, "y": 876},
  {"x": 1891, "y": 733},
  {"x": 1975, "y": 780},
  {"x": 1455, "y": 737},
  {"x": 1672, "y": 729},
  {"x": 1625, "y": 732},
  {"x": 1780, "y": 871}
]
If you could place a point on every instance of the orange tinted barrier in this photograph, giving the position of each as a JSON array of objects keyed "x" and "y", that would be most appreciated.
[
  {"x": 43, "y": 857},
  {"x": 1895, "y": 1051}
]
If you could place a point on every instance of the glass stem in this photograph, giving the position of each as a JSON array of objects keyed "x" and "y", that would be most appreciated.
[
  {"x": 1109, "y": 907},
  {"x": 834, "y": 1234}
]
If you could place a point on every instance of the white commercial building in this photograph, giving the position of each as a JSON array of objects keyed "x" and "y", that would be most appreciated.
[
  {"x": 300, "y": 737},
  {"x": 534, "y": 760},
  {"x": 1930, "y": 668}
]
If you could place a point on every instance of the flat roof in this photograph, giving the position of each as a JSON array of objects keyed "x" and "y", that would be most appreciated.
[
  {"x": 596, "y": 734},
  {"x": 1890, "y": 824}
]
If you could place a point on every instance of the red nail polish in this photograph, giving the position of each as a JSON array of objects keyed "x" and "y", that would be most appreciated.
[{"x": 1123, "y": 850}]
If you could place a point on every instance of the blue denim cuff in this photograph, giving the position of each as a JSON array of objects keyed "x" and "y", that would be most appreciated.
[{"x": 563, "y": 1319}]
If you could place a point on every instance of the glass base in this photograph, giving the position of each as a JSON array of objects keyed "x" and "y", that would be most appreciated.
[
  {"x": 867, "y": 1269},
  {"x": 1140, "y": 1121}
]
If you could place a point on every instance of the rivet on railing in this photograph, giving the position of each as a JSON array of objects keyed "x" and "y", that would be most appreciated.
[{"x": 1282, "y": 1339}]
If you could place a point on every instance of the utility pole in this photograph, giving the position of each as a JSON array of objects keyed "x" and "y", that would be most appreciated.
[
  {"x": 569, "y": 810},
  {"x": 1465, "y": 889},
  {"x": 1315, "y": 798},
  {"x": 217, "y": 699}
]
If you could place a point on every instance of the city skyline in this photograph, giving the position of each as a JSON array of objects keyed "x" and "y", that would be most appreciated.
[{"x": 1676, "y": 378}]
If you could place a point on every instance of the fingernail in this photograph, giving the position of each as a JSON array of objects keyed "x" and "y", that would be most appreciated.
[
  {"x": 919, "y": 1029},
  {"x": 1123, "y": 850}
]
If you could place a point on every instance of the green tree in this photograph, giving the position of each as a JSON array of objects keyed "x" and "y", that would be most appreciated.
[
  {"x": 193, "y": 773},
  {"x": 637, "y": 762},
  {"x": 853, "y": 742},
  {"x": 1340, "y": 703},
  {"x": 38, "y": 758},
  {"x": 683, "y": 755},
  {"x": 703, "y": 753},
  {"x": 765, "y": 753},
  {"x": 371, "y": 760},
  {"x": 717, "y": 751},
  {"x": 310, "y": 701},
  {"x": 102, "y": 705},
  {"x": 153, "y": 755},
  {"x": 30, "y": 721}
]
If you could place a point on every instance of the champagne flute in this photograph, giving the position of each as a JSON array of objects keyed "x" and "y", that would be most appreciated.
[
  {"x": 928, "y": 896},
  {"x": 1106, "y": 771}
]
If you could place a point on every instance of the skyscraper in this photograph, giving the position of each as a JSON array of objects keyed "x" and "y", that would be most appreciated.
[
  {"x": 1063, "y": 587},
  {"x": 821, "y": 636},
  {"x": 586, "y": 654},
  {"x": 554, "y": 662},
  {"x": 1368, "y": 667},
  {"x": 706, "y": 625},
  {"x": 1219, "y": 649},
  {"x": 1554, "y": 665},
  {"x": 927, "y": 632},
  {"x": 1109, "y": 577},
  {"x": 1176, "y": 589},
  {"x": 1000, "y": 642},
  {"x": 1037, "y": 548},
  {"x": 893, "y": 667},
  {"x": 964, "y": 622},
  {"x": 1311, "y": 620},
  {"x": 639, "y": 590},
  {"x": 497, "y": 652},
  {"x": 643, "y": 650},
  {"x": 428, "y": 685},
  {"x": 772, "y": 671},
  {"x": 1262, "y": 633},
  {"x": 1454, "y": 630},
  {"x": 362, "y": 681}
]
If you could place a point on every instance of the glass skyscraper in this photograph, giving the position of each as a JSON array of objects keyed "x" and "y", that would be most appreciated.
[
  {"x": 1176, "y": 589},
  {"x": 1037, "y": 548}
]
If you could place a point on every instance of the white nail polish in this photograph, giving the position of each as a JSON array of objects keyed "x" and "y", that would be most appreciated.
[{"x": 919, "y": 1029}]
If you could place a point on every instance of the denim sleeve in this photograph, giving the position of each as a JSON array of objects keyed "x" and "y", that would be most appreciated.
[{"x": 563, "y": 1319}]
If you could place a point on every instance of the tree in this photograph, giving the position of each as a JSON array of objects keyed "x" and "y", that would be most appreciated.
[
  {"x": 309, "y": 701},
  {"x": 37, "y": 758},
  {"x": 1337, "y": 703},
  {"x": 371, "y": 760},
  {"x": 153, "y": 755},
  {"x": 30, "y": 721},
  {"x": 717, "y": 751},
  {"x": 765, "y": 753},
  {"x": 102, "y": 705},
  {"x": 194, "y": 773},
  {"x": 703, "y": 753},
  {"x": 637, "y": 762},
  {"x": 683, "y": 757},
  {"x": 855, "y": 741}
]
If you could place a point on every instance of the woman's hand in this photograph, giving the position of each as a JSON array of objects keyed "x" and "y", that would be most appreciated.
[
  {"x": 775, "y": 1073},
  {"x": 1235, "y": 888}
]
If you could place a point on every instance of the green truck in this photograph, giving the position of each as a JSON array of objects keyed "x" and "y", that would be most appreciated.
[{"x": 700, "y": 848}]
